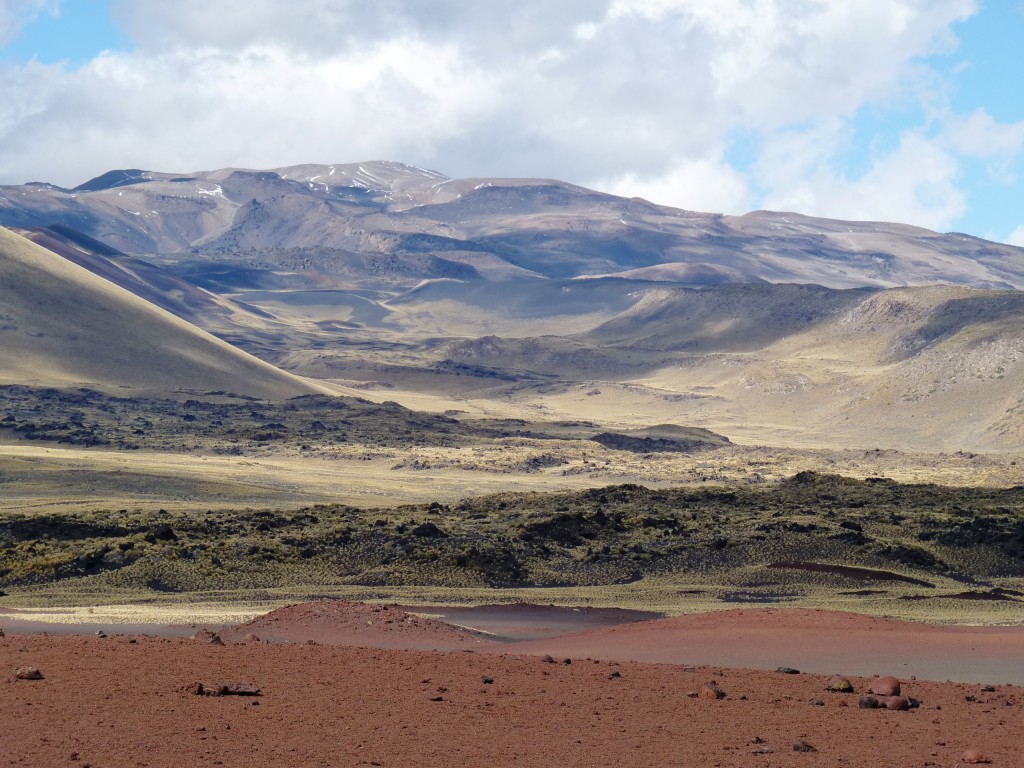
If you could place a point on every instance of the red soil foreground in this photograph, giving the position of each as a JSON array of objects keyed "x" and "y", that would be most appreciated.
[{"x": 114, "y": 702}]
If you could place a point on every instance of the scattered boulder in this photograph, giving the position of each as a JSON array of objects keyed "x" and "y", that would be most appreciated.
[
  {"x": 224, "y": 689},
  {"x": 816, "y": 703},
  {"x": 839, "y": 684},
  {"x": 867, "y": 702},
  {"x": 897, "y": 703},
  {"x": 236, "y": 689},
  {"x": 885, "y": 686},
  {"x": 101, "y": 634},
  {"x": 206, "y": 636},
  {"x": 974, "y": 757},
  {"x": 787, "y": 670},
  {"x": 428, "y": 530},
  {"x": 1, "y": 633},
  {"x": 711, "y": 691},
  {"x": 548, "y": 659},
  {"x": 28, "y": 673},
  {"x": 162, "y": 532},
  {"x": 487, "y": 680},
  {"x": 803, "y": 746}
]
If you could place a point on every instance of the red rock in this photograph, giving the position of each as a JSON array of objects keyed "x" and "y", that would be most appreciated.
[
  {"x": 974, "y": 757},
  {"x": 898, "y": 703},
  {"x": 205, "y": 635},
  {"x": 885, "y": 686},
  {"x": 711, "y": 691}
]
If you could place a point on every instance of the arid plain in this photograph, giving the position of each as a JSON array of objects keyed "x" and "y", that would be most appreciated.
[{"x": 401, "y": 388}]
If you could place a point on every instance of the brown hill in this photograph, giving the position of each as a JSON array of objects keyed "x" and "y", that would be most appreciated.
[{"x": 61, "y": 325}]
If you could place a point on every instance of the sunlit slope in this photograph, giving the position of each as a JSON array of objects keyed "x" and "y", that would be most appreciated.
[
  {"x": 61, "y": 325},
  {"x": 939, "y": 368}
]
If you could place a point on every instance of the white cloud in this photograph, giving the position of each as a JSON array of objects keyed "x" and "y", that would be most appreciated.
[
  {"x": 914, "y": 183},
  {"x": 15, "y": 14},
  {"x": 980, "y": 135},
  {"x": 638, "y": 96},
  {"x": 693, "y": 185},
  {"x": 1017, "y": 236}
]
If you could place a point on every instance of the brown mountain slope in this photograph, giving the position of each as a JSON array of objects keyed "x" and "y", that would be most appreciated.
[
  {"x": 61, "y": 325},
  {"x": 383, "y": 223}
]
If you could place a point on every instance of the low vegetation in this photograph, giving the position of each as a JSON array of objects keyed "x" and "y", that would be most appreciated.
[{"x": 754, "y": 543}]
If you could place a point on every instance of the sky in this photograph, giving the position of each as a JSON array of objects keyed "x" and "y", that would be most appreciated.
[{"x": 891, "y": 110}]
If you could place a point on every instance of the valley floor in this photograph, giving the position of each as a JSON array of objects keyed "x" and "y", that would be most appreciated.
[{"x": 130, "y": 700}]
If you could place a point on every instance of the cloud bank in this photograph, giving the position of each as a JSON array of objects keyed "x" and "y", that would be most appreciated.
[{"x": 639, "y": 97}]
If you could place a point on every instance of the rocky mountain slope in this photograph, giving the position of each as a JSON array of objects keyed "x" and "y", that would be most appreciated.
[
  {"x": 499, "y": 295},
  {"x": 331, "y": 226}
]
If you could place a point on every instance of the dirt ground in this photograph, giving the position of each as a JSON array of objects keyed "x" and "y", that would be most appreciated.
[{"x": 128, "y": 700}]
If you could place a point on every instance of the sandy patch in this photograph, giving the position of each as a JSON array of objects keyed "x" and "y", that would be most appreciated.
[{"x": 111, "y": 702}]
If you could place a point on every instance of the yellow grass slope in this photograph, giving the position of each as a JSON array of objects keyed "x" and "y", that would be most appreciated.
[{"x": 60, "y": 325}]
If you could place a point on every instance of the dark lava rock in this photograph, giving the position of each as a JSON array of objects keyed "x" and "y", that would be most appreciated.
[
  {"x": 163, "y": 532},
  {"x": 802, "y": 746},
  {"x": 787, "y": 670},
  {"x": 234, "y": 689},
  {"x": 868, "y": 702},
  {"x": 28, "y": 673},
  {"x": 487, "y": 680},
  {"x": 816, "y": 703},
  {"x": 428, "y": 530}
]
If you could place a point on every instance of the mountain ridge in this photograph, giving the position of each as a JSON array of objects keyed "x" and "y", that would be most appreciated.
[{"x": 384, "y": 223}]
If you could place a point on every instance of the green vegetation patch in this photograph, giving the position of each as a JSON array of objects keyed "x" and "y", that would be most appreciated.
[{"x": 838, "y": 533}]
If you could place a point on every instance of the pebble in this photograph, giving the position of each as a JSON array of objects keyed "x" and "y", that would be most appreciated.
[{"x": 975, "y": 757}]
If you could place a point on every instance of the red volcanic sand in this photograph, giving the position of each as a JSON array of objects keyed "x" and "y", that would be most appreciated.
[
  {"x": 111, "y": 703},
  {"x": 342, "y": 622},
  {"x": 810, "y": 640}
]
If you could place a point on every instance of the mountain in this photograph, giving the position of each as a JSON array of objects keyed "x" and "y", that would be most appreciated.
[
  {"x": 380, "y": 224},
  {"x": 937, "y": 368},
  {"x": 512, "y": 296},
  {"x": 62, "y": 325}
]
